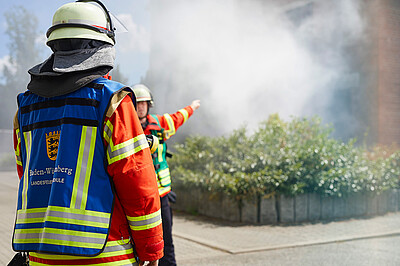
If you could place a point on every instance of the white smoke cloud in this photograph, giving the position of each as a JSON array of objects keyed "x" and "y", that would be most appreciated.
[
  {"x": 41, "y": 40},
  {"x": 137, "y": 39},
  {"x": 246, "y": 59},
  {"x": 5, "y": 62}
]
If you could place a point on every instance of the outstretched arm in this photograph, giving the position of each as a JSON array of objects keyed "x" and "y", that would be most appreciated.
[{"x": 171, "y": 122}]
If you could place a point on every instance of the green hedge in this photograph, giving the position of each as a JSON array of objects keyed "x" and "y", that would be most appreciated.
[{"x": 282, "y": 157}]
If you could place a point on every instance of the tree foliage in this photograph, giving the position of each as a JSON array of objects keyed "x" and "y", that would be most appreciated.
[{"x": 282, "y": 157}]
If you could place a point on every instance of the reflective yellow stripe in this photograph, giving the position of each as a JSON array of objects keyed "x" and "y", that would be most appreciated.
[
  {"x": 77, "y": 211},
  {"x": 164, "y": 173},
  {"x": 126, "y": 262},
  {"x": 171, "y": 126},
  {"x": 33, "y": 263},
  {"x": 33, "y": 210},
  {"x": 78, "y": 167},
  {"x": 126, "y": 149},
  {"x": 115, "y": 253},
  {"x": 164, "y": 183},
  {"x": 145, "y": 227},
  {"x": 17, "y": 133},
  {"x": 83, "y": 168},
  {"x": 108, "y": 130},
  {"x": 118, "y": 263},
  {"x": 59, "y": 236},
  {"x": 18, "y": 151},
  {"x": 162, "y": 190},
  {"x": 28, "y": 147},
  {"x": 60, "y": 242},
  {"x": 145, "y": 222},
  {"x": 62, "y": 210},
  {"x": 164, "y": 177},
  {"x": 30, "y": 220},
  {"x": 113, "y": 248},
  {"x": 89, "y": 169},
  {"x": 62, "y": 215},
  {"x": 39, "y": 231},
  {"x": 145, "y": 217},
  {"x": 121, "y": 242},
  {"x": 160, "y": 152},
  {"x": 185, "y": 114},
  {"x": 66, "y": 257}
]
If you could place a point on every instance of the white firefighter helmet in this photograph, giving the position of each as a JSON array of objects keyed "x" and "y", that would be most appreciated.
[
  {"x": 143, "y": 94},
  {"x": 82, "y": 19}
]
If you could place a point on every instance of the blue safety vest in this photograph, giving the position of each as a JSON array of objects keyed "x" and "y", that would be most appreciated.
[{"x": 65, "y": 196}]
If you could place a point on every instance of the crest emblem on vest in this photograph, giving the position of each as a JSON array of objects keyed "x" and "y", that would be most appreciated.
[{"x": 52, "y": 140}]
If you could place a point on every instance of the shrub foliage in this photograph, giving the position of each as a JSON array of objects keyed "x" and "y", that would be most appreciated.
[{"x": 283, "y": 157}]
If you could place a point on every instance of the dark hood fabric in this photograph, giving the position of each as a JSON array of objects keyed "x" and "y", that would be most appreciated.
[{"x": 67, "y": 71}]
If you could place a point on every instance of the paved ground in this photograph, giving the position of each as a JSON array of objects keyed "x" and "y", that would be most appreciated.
[
  {"x": 372, "y": 241},
  {"x": 205, "y": 241}
]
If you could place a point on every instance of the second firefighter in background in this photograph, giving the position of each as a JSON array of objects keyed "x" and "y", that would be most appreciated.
[{"x": 162, "y": 127}]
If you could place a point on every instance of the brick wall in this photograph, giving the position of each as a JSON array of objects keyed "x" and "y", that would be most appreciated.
[{"x": 388, "y": 91}]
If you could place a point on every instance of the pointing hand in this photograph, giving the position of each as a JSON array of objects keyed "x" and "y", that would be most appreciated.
[{"x": 195, "y": 104}]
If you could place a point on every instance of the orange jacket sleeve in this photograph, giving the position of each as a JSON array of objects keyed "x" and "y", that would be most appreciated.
[
  {"x": 134, "y": 178},
  {"x": 171, "y": 122}
]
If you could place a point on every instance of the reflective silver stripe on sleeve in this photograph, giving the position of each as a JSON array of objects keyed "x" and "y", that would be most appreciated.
[
  {"x": 145, "y": 222},
  {"x": 127, "y": 148}
]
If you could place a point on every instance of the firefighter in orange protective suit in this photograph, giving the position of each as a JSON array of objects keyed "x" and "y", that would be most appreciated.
[
  {"x": 162, "y": 127},
  {"x": 88, "y": 193}
]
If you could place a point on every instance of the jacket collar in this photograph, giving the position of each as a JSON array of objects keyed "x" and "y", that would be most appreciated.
[
  {"x": 67, "y": 71},
  {"x": 153, "y": 125}
]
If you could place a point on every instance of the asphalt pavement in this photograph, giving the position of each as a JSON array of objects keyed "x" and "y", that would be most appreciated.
[{"x": 205, "y": 241}]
